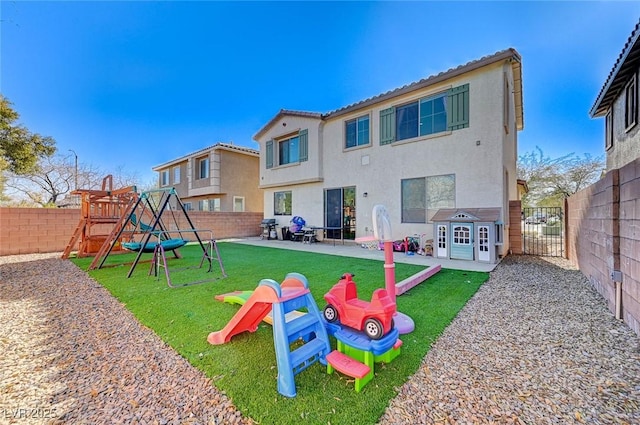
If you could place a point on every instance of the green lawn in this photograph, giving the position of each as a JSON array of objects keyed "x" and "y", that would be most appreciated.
[{"x": 245, "y": 368}]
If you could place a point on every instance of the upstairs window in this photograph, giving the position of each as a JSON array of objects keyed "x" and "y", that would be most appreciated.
[
  {"x": 631, "y": 103},
  {"x": 357, "y": 132},
  {"x": 608, "y": 130},
  {"x": 164, "y": 178},
  {"x": 203, "y": 167},
  {"x": 434, "y": 114},
  {"x": 176, "y": 175},
  {"x": 287, "y": 150}
]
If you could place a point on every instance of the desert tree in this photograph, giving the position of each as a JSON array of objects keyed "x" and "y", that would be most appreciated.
[{"x": 551, "y": 180}]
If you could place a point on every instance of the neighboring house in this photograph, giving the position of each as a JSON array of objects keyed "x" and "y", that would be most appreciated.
[
  {"x": 618, "y": 103},
  {"x": 446, "y": 143},
  {"x": 222, "y": 177}
]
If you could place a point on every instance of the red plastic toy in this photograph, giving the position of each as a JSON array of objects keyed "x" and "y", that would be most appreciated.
[{"x": 375, "y": 318}]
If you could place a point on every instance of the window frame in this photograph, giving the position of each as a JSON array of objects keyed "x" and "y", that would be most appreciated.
[
  {"x": 428, "y": 199},
  {"x": 419, "y": 198},
  {"x": 164, "y": 178},
  {"x": 287, "y": 141},
  {"x": 608, "y": 130},
  {"x": 356, "y": 122},
  {"x": 200, "y": 161},
  {"x": 284, "y": 194},
  {"x": 242, "y": 200},
  {"x": 631, "y": 103},
  {"x": 176, "y": 175}
]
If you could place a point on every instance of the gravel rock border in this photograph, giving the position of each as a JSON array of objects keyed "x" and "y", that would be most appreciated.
[
  {"x": 535, "y": 345},
  {"x": 71, "y": 353}
]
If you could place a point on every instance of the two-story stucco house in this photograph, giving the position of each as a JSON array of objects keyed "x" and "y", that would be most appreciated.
[
  {"x": 221, "y": 177},
  {"x": 618, "y": 103},
  {"x": 444, "y": 147}
]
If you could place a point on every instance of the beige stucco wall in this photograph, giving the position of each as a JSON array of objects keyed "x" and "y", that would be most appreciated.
[
  {"x": 239, "y": 177},
  {"x": 301, "y": 172},
  {"x": 230, "y": 174},
  {"x": 479, "y": 156}
]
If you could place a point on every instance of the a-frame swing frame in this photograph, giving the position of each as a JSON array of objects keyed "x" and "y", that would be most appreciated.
[{"x": 158, "y": 227}]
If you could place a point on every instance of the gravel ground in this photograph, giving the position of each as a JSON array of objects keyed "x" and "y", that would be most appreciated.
[
  {"x": 73, "y": 354},
  {"x": 536, "y": 345}
]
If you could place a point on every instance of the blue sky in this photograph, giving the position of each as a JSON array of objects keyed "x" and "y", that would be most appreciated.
[{"x": 136, "y": 84}]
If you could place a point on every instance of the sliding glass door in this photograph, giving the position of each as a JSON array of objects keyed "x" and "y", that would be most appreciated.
[{"x": 340, "y": 212}]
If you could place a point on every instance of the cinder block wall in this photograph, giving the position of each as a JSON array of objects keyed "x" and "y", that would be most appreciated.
[
  {"x": 603, "y": 235},
  {"x": 34, "y": 230}
]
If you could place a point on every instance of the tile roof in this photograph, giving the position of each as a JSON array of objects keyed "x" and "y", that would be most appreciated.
[
  {"x": 627, "y": 63},
  {"x": 433, "y": 79},
  {"x": 425, "y": 82},
  {"x": 219, "y": 145},
  {"x": 478, "y": 214}
]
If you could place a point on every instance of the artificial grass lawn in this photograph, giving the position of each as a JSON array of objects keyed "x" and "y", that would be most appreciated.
[{"x": 245, "y": 368}]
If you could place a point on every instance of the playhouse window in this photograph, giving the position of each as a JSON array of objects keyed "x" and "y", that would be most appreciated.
[{"x": 461, "y": 235}]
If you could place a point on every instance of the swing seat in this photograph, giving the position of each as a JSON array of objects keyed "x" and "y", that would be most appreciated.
[{"x": 168, "y": 245}]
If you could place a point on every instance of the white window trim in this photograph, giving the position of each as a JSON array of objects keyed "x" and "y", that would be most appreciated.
[
  {"x": 176, "y": 175},
  {"x": 344, "y": 135},
  {"x": 237, "y": 198}
]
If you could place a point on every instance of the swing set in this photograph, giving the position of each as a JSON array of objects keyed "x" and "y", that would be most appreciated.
[{"x": 161, "y": 236}]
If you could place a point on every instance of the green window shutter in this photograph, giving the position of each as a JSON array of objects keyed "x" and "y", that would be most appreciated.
[
  {"x": 269, "y": 154},
  {"x": 458, "y": 107},
  {"x": 387, "y": 126},
  {"x": 304, "y": 145}
]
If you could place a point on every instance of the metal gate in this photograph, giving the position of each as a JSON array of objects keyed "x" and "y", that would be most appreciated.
[{"x": 543, "y": 231}]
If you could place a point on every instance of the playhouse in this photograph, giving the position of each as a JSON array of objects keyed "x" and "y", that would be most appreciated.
[{"x": 474, "y": 234}]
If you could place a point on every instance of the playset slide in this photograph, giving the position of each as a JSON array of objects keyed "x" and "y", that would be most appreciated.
[
  {"x": 256, "y": 307},
  {"x": 241, "y": 297}
]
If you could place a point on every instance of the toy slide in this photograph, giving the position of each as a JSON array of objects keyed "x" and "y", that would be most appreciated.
[
  {"x": 307, "y": 330},
  {"x": 241, "y": 297},
  {"x": 257, "y": 306}
]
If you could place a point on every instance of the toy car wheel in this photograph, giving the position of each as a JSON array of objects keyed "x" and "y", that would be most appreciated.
[
  {"x": 330, "y": 313},
  {"x": 373, "y": 328}
]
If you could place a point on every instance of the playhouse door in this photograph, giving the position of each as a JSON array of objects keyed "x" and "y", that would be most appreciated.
[
  {"x": 462, "y": 241},
  {"x": 483, "y": 244},
  {"x": 441, "y": 248}
]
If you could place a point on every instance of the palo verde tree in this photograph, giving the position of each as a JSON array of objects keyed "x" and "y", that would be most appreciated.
[{"x": 551, "y": 180}]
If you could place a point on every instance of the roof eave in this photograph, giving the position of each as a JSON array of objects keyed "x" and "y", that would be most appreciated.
[
  {"x": 217, "y": 146},
  {"x": 282, "y": 113},
  {"x": 605, "y": 97},
  {"x": 430, "y": 81}
]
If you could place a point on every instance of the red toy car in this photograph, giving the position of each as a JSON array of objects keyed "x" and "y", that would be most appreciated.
[{"x": 375, "y": 318}]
